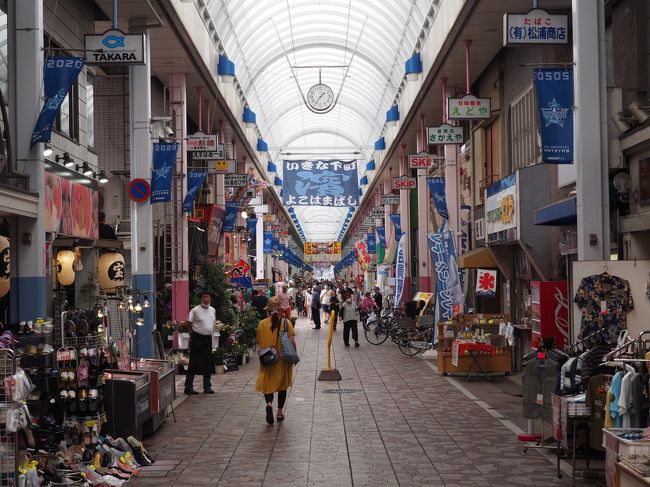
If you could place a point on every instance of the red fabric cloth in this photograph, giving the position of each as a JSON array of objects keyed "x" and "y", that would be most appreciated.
[{"x": 485, "y": 347}]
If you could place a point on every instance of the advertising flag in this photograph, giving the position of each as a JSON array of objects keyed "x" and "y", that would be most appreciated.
[
  {"x": 268, "y": 242},
  {"x": 449, "y": 291},
  {"x": 320, "y": 183},
  {"x": 251, "y": 226},
  {"x": 372, "y": 243},
  {"x": 164, "y": 158},
  {"x": 194, "y": 181},
  {"x": 231, "y": 216},
  {"x": 486, "y": 283},
  {"x": 400, "y": 270},
  {"x": 381, "y": 234},
  {"x": 395, "y": 218},
  {"x": 555, "y": 101},
  {"x": 59, "y": 73},
  {"x": 437, "y": 188}
]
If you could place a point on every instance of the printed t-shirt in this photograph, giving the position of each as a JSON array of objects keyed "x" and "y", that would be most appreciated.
[{"x": 596, "y": 397}]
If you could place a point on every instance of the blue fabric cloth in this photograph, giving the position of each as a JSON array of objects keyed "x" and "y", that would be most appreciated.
[{"x": 615, "y": 390}]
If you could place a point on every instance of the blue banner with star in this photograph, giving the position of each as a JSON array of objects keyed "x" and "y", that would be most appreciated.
[
  {"x": 320, "y": 183},
  {"x": 555, "y": 101},
  {"x": 268, "y": 242}
]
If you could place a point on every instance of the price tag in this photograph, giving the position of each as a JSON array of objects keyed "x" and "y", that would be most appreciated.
[
  {"x": 52, "y": 401},
  {"x": 90, "y": 423},
  {"x": 185, "y": 335},
  {"x": 603, "y": 306},
  {"x": 540, "y": 399},
  {"x": 185, "y": 367},
  {"x": 170, "y": 338},
  {"x": 215, "y": 334}
]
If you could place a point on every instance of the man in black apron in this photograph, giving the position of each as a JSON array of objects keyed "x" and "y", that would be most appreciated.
[{"x": 202, "y": 320}]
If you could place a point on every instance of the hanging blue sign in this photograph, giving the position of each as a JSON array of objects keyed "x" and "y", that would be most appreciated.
[
  {"x": 251, "y": 226},
  {"x": 381, "y": 233},
  {"x": 437, "y": 188},
  {"x": 555, "y": 101},
  {"x": 231, "y": 216},
  {"x": 371, "y": 243},
  {"x": 395, "y": 218},
  {"x": 400, "y": 270},
  {"x": 320, "y": 183},
  {"x": 268, "y": 242},
  {"x": 59, "y": 73},
  {"x": 194, "y": 181},
  {"x": 449, "y": 290},
  {"x": 244, "y": 281},
  {"x": 162, "y": 171}
]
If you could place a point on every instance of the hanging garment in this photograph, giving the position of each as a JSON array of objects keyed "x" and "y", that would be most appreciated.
[
  {"x": 634, "y": 400},
  {"x": 539, "y": 377},
  {"x": 596, "y": 398},
  {"x": 614, "y": 393},
  {"x": 607, "y": 294},
  {"x": 623, "y": 401}
]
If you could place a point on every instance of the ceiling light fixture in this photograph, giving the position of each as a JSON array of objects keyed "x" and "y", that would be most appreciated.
[
  {"x": 102, "y": 177},
  {"x": 47, "y": 150},
  {"x": 65, "y": 159}
]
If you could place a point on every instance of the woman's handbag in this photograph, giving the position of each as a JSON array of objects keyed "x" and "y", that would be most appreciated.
[
  {"x": 289, "y": 353},
  {"x": 268, "y": 356}
]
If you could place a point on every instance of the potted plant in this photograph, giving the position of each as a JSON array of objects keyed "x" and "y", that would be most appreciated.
[
  {"x": 239, "y": 349},
  {"x": 218, "y": 359}
]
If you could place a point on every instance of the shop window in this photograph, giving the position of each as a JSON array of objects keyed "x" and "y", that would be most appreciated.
[
  {"x": 487, "y": 155},
  {"x": 90, "y": 109},
  {"x": 524, "y": 130},
  {"x": 644, "y": 182},
  {"x": 67, "y": 120}
]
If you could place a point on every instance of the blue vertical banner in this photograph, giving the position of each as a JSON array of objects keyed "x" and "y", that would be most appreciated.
[
  {"x": 320, "y": 183},
  {"x": 162, "y": 171},
  {"x": 555, "y": 101},
  {"x": 268, "y": 242},
  {"x": 395, "y": 218},
  {"x": 251, "y": 226},
  {"x": 381, "y": 234},
  {"x": 194, "y": 181},
  {"x": 371, "y": 243},
  {"x": 231, "y": 216},
  {"x": 449, "y": 291},
  {"x": 437, "y": 188},
  {"x": 400, "y": 270},
  {"x": 59, "y": 73}
]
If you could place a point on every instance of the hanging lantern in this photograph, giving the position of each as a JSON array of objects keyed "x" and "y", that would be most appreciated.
[
  {"x": 5, "y": 265},
  {"x": 111, "y": 271},
  {"x": 64, "y": 270}
]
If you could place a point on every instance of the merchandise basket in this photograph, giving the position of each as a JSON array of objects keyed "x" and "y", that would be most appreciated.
[
  {"x": 83, "y": 341},
  {"x": 8, "y": 450},
  {"x": 405, "y": 323}
]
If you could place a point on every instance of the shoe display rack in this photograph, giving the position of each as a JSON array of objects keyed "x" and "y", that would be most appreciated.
[{"x": 8, "y": 446}]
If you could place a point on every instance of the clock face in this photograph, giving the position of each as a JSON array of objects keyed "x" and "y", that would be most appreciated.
[{"x": 320, "y": 97}]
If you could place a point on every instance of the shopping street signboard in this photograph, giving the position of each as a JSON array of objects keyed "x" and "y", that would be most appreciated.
[
  {"x": 378, "y": 212},
  {"x": 404, "y": 182},
  {"x": 468, "y": 108},
  {"x": 202, "y": 142},
  {"x": 535, "y": 27},
  {"x": 422, "y": 160},
  {"x": 445, "y": 134},
  {"x": 223, "y": 166},
  {"x": 209, "y": 155},
  {"x": 390, "y": 199},
  {"x": 501, "y": 210},
  {"x": 114, "y": 47},
  {"x": 235, "y": 180}
]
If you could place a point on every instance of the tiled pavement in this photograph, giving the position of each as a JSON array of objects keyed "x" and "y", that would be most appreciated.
[{"x": 391, "y": 421}]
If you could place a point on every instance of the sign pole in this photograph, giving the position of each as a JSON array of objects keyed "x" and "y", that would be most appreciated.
[{"x": 329, "y": 373}]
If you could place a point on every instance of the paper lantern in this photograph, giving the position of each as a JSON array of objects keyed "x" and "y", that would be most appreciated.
[
  {"x": 111, "y": 271},
  {"x": 64, "y": 270},
  {"x": 5, "y": 265}
]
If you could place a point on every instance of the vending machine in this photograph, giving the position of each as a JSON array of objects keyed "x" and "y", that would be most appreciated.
[{"x": 550, "y": 311}]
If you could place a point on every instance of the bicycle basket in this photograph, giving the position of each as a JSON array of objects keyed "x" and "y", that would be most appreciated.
[{"x": 405, "y": 323}]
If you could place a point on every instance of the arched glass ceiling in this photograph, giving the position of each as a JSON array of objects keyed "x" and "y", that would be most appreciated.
[{"x": 278, "y": 47}]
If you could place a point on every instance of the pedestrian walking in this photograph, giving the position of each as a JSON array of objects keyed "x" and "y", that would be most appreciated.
[
  {"x": 350, "y": 318},
  {"x": 315, "y": 307},
  {"x": 378, "y": 298},
  {"x": 335, "y": 309},
  {"x": 277, "y": 377},
  {"x": 201, "y": 321},
  {"x": 285, "y": 302},
  {"x": 259, "y": 302},
  {"x": 325, "y": 297}
]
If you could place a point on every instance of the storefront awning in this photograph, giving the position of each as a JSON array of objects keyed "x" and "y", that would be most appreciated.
[
  {"x": 16, "y": 202},
  {"x": 480, "y": 257},
  {"x": 561, "y": 212}
]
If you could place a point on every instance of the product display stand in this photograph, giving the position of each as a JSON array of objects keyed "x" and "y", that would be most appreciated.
[{"x": 8, "y": 446}]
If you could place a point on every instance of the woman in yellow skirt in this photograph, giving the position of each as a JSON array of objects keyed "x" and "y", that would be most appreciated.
[{"x": 278, "y": 377}]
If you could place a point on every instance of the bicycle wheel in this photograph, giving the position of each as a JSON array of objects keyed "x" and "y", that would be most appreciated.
[
  {"x": 376, "y": 332},
  {"x": 408, "y": 343}
]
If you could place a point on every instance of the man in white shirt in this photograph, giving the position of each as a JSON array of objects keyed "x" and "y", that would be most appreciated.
[{"x": 202, "y": 319}]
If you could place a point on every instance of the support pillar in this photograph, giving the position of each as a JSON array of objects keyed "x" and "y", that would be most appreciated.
[
  {"x": 142, "y": 248},
  {"x": 590, "y": 130},
  {"x": 451, "y": 190},
  {"x": 405, "y": 220},
  {"x": 424, "y": 256},
  {"x": 25, "y": 28},
  {"x": 259, "y": 246},
  {"x": 179, "y": 231}
]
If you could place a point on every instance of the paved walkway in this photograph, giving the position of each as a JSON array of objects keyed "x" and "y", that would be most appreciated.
[{"x": 391, "y": 421}]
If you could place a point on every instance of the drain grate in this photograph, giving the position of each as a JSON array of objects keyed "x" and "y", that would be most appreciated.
[{"x": 341, "y": 391}]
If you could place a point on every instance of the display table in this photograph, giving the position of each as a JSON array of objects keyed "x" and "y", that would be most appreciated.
[
  {"x": 162, "y": 389},
  {"x": 493, "y": 356},
  {"x": 475, "y": 352},
  {"x": 621, "y": 456}
]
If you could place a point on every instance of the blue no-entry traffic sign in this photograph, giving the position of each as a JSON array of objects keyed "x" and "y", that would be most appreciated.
[{"x": 139, "y": 190}]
